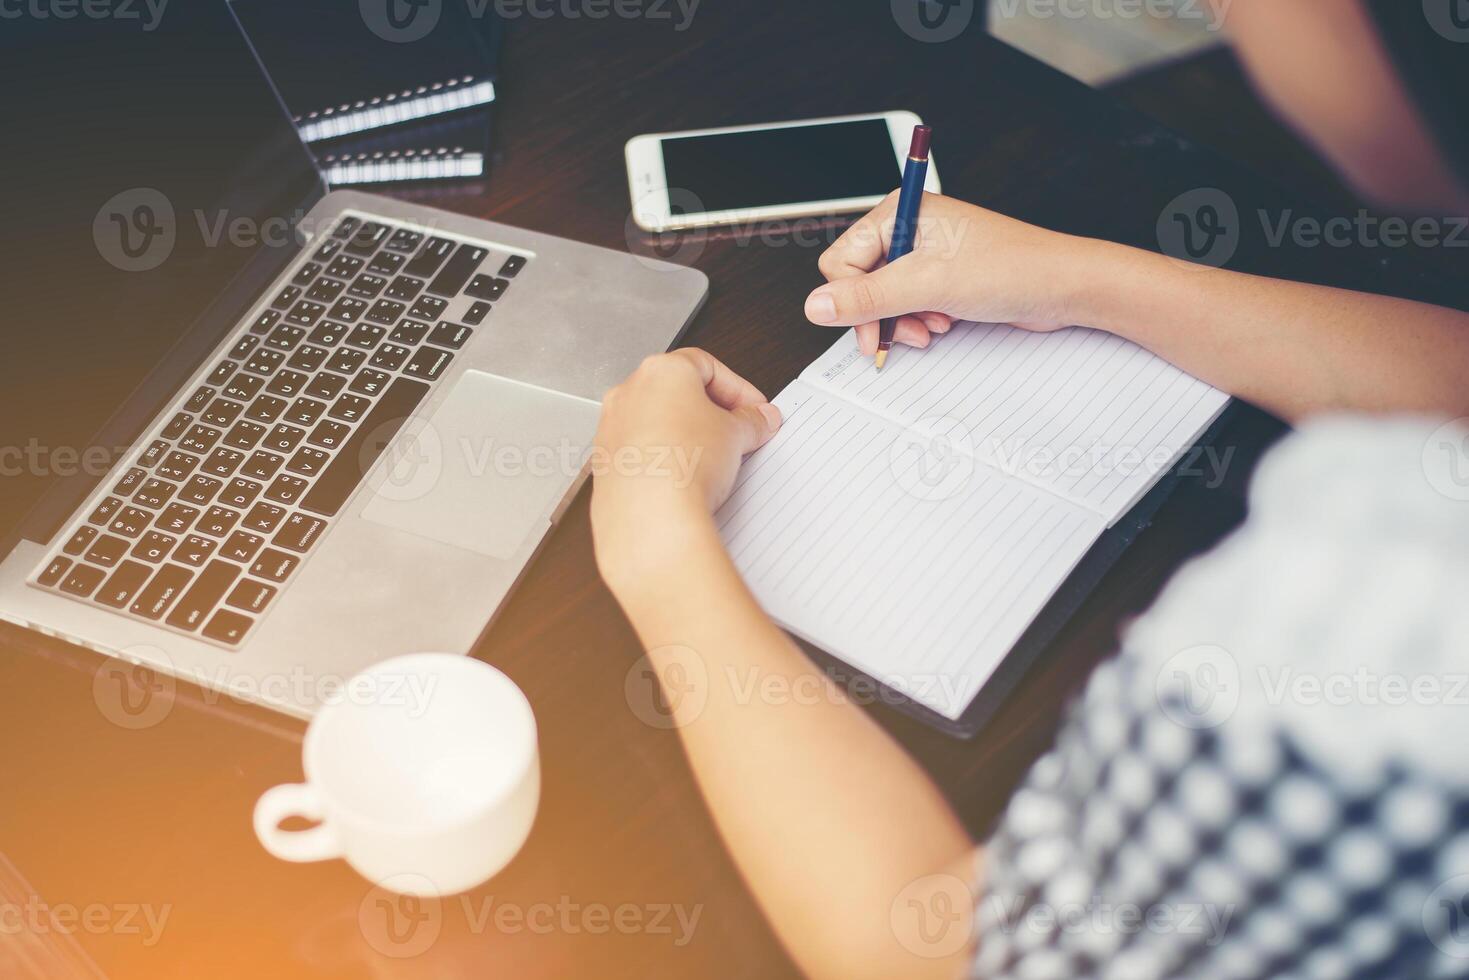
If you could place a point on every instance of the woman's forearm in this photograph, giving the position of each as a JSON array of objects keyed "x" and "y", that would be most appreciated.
[
  {"x": 1293, "y": 349},
  {"x": 827, "y": 818}
]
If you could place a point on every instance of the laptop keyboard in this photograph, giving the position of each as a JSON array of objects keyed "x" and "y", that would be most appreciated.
[{"x": 227, "y": 497}]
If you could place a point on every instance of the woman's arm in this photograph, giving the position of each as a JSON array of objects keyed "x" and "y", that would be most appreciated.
[
  {"x": 827, "y": 818},
  {"x": 1295, "y": 350}
]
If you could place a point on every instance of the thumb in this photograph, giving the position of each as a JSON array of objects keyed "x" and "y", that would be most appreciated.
[
  {"x": 754, "y": 425},
  {"x": 889, "y": 291}
]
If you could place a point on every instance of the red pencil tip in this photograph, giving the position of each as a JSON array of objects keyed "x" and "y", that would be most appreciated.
[{"x": 922, "y": 137}]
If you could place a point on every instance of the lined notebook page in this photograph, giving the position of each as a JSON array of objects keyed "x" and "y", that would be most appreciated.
[
  {"x": 1085, "y": 414},
  {"x": 920, "y": 571}
]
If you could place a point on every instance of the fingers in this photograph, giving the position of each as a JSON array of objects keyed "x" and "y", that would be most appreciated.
[
  {"x": 754, "y": 425},
  {"x": 892, "y": 290},
  {"x": 726, "y": 389},
  {"x": 863, "y": 246},
  {"x": 912, "y": 331}
]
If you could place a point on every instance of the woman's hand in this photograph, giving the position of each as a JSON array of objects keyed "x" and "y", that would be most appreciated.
[
  {"x": 669, "y": 445},
  {"x": 967, "y": 264}
]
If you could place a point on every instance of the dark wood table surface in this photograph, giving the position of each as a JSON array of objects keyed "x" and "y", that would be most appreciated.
[{"x": 156, "y": 818}]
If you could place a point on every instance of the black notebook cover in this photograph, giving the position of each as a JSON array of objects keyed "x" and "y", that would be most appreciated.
[
  {"x": 441, "y": 148},
  {"x": 343, "y": 67}
]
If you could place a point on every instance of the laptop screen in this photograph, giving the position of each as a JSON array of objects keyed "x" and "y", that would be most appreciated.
[{"x": 147, "y": 162}]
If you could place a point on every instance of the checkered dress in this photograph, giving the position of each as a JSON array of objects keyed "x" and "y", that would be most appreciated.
[{"x": 1271, "y": 781}]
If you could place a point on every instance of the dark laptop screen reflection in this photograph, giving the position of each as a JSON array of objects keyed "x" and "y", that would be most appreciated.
[{"x": 157, "y": 165}]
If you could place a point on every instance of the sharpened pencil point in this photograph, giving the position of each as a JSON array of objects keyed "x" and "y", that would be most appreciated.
[{"x": 882, "y": 357}]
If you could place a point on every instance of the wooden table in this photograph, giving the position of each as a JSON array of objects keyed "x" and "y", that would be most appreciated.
[{"x": 156, "y": 818}]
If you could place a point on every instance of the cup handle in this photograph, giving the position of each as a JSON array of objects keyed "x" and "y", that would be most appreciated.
[{"x": 317, "y": 843}]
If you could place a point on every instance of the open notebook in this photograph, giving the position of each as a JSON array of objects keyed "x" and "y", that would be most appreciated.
[{"x": 913, "y": 522}]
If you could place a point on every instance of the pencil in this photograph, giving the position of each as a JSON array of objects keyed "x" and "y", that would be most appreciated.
[{"x": 905, "y": 228}]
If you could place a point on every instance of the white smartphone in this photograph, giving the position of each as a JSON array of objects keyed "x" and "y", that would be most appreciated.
[{"x": 739, "y": 174}]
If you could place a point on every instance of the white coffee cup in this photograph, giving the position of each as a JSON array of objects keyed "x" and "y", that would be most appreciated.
[{"x": 423, "y": 773}]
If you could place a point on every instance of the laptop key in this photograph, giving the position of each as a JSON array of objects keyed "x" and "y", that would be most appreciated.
[
  {"x": 241, "y": 546},
  {"x": 286, "y": 489},
  {"x": 344, "y": 267},
  {"x": 194, "y": 550},
  {"x": 346, "y": 228},
  {"x": 200, "y": 439},
  {"x": 304, "y": 412},
  {"x": 404, "y": 240},
  {"x": 104, "y": 511},
  {"x": 305, "y": 274},
  {"x": 242, "y": 348},
  {"x": 428, "y": 363},
  {"x": 223, "y": 462},
  {"x": 131, "y": 481},
  {"x": 265, "y": 322},
  {"x": 244, "y": 435},
  {"x": 200, "y": 490},
  {"x": 366, "y": 444},
  {"x": 153, "y": 546},
  {"x": 287, "y": 384},
  {"x": 251, "y": 596},
  {"x": 240, "y": 493},
  {"x": 308, "y": 461},
  {"x": 427, "y": 261},
  {"x": 263, "y": 518},
  {"x": 367, "y": 286},
  {"x": 348, "y": 309},
  {"x": 130, "y": 522},
  {"x": 78, "y": 542},
  {"x": 262, "y": 465},
  {"x": 107, "y": 551},
  {"x": 512, "y": 266},
  {"x": 386, "y": 312},
  {"x": 154, "y": 494},
  {"x": 287, "y": 296},
  {"x": 266, "y": 408},
  {"x": 346, "y": 361},
  {"x": 299, "y": 533},
  {"x": 218, "y": 521},
  {"x": 386, "y": 264},
  {"x": 228, "y": 627},
  {"x": 263, "y": 362},
  {"x": 370, "y": 382},
  {"x": 177, "y": 425},
  {"x": 327, "y": 250},
  {"x": 409, "y": 332},
  {"x": 83, "y": 580},
  {"x": 326, "y": 386},
  {"x": 428, "y": 308},
  {"x": 283, "y": 438},
  {"x": 367, "y": 239},
  {"x": 328, "y": 334},
  {"x": 221, "y": 373},
  {"x": 274, "y": 565},
  {"x": 457, "y": 272},
  {"x": 123, "y": 584},
  {"x": 153, "y": 453},
  {"x": 177, "y": 466},
  {"x": 325, "y": 290},
  {"x": 477, "y": 313},
  {"x": 199, "y": 399},
  {"x": 366, "y": 336},
  {"x": 389, "y": 357},
  {"x": 204, "y": 595},
  {"x": 161, "y": 592},
  {"x": 285, "y": 337},
  {"x": 222, "y": 412},
  {"x": 53, "y": 572},
  {"x": 405, "y": 288},
  {"x": 487, "y": 287},
  {"x": 452, "y": 335},
  {"x": 328, "y": 434},
  {"x": 349, "y": 408},
  {"x": 177, "y": 518},
  {"x": 308, "y": 358},
  {"x": 306, "y": 313},
  {"x": 243, "y": 387}
]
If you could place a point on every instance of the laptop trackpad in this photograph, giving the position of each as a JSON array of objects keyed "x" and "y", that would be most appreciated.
[{"x": 487, "y": 469}]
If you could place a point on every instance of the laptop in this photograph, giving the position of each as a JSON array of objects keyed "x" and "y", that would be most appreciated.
[{"x": 284, "y": 433}]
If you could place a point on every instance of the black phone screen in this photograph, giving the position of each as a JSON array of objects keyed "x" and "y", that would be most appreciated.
[{"x": 771, "y": 167}]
